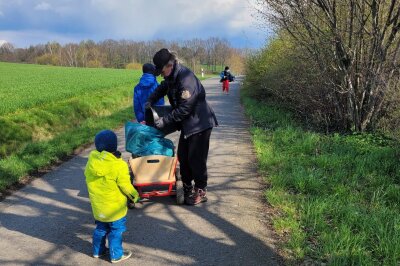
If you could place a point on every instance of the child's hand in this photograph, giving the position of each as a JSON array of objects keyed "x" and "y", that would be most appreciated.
[
  {"x": 135, "y": 195},
  {"x": 136, "y": 199}
]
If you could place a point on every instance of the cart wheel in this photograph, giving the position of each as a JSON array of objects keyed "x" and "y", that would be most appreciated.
[
  {"x": 178, "y": 174},
  {"x": 180, "y": 196}
]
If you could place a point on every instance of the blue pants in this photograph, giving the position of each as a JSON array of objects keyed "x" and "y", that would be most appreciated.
[{"x": 112, "y": 230}]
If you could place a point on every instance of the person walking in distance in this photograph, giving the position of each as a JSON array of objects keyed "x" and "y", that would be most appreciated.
[
  {"x": 192, "y": 115},
  {"x": 226, "y": 77}
]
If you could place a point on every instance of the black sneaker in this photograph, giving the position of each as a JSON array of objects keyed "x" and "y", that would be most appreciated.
[{"x": 187, "y": 191}]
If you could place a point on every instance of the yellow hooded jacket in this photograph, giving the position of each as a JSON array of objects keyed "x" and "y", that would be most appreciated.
[{"x": 108, "y": 182}]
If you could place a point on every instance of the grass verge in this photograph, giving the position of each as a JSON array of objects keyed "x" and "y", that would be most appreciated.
[
  {"x": 39, "y": 154},
  {"x": 337, "y": 197}
]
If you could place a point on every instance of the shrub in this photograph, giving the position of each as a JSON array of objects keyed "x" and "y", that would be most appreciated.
[
  {"x": 48, "y": 59},
  {"x": 282, "y": 73},
  {"x": 94, "y": 63},
  {"x": 134, "y": 66}
]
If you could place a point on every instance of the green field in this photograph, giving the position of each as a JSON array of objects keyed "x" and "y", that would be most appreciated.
[
  {"x": 26, "y": 86},
  {"x": 47, "y": 112}
]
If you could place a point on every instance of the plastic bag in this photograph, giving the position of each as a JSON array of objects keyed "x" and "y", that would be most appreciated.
[{"x": 142, "y": 140}]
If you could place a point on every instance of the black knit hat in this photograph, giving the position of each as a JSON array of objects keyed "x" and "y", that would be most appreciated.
[
  {"x": 106, "y": 140},
  {"x": 160, "y": 59},
  {"x": 148, "y": 68}
]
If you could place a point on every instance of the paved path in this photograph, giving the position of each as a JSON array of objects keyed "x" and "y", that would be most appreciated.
[{"x": 49, "y": 222}]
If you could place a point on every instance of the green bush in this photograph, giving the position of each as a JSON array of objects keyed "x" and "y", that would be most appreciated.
[
  {"x": 134, "y": 66},
  {"x": 48, "y": 59}
]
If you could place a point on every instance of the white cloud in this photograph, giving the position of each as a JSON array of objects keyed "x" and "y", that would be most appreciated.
[{"x": 43, "y": 6}]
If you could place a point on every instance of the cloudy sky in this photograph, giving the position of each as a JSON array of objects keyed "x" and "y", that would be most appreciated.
[{"x": 26, "y": 22}]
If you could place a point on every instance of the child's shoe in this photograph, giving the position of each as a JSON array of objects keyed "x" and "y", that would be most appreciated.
[
  {"x": 126, "y": 255},
  {"x": 106, "y": 252}
]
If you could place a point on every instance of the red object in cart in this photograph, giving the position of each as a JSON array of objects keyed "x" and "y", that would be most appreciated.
[{"x": 157, "y": 176}]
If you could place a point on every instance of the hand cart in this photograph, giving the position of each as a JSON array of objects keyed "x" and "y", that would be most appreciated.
[{"x": 157, "y": 176}]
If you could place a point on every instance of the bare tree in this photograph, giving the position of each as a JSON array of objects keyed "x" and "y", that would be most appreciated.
[
  {"x": 355, "y": 41},
  {"x": 7, "y": 52},
  {"x": 191, "y": 51},
  {"x": 222, "y": 52},
  {"x": 117, "y": 54},
  {"x": 210, "y": 44},
  {"x": 236, "y": 60},
  {"x": 71, "y": 54}
]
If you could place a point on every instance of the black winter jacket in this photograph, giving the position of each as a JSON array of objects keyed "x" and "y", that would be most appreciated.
[{"x": 187, "y": 96}]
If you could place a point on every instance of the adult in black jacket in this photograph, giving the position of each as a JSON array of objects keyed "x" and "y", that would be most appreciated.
[{"x": 192, "y": 114}]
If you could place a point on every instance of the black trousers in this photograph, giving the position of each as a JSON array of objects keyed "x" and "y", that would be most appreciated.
[{"x": 192, "y": 156}]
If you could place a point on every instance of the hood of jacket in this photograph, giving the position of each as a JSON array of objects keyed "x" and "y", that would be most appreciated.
[
  {"x": 147, "y": 81},
  {"x": 108, "y": 183},
  {"x": 100, "y": 163}
]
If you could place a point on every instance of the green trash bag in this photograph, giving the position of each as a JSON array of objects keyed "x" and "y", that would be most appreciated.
[{"x": 142, "y": 140}]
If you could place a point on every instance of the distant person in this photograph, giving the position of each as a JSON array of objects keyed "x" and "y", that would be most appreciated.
[
  {"x": 226, "y": 77},
  {"x": 147, "y": 84},
  {"x": 109, "y": 184},
  {"x": 193, "y": 115}
]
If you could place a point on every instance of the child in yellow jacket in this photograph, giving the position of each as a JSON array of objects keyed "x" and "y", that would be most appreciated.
[{"x": 109, "y": 185}]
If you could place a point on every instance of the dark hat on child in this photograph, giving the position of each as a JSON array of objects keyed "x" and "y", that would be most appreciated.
[
  {"x": 160, "y": 59},
  {"x": 148, "y": 68},
  {"x": 226, "y": 68},
  {"x": 106, "y": 140}
]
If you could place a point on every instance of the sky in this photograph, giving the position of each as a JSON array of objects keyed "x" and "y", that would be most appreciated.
[{"x": 30, "y": 22}]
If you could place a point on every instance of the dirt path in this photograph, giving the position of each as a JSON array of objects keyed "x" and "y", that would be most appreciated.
[{"x": 49, "y": 222}]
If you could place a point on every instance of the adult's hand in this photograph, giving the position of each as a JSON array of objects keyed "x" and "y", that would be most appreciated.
[{"x": 159, "y": 123}]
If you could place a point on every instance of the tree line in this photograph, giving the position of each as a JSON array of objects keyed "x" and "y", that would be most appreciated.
[
  {"x": 338, "y": 61},
  {"x": 195, "y": 53}
]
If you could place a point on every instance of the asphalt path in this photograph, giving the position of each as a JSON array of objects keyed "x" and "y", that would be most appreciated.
[{"x": 49, "y": 222}]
